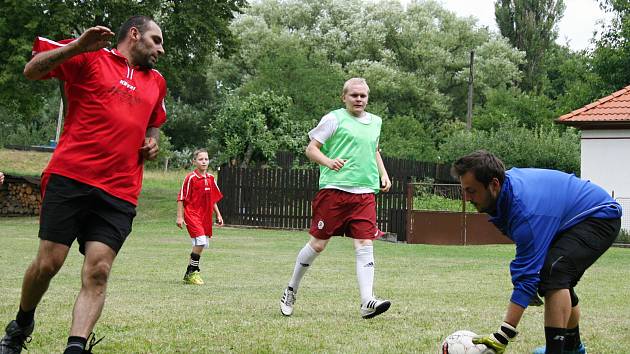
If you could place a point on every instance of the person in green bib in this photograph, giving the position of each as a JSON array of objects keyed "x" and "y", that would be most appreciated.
[{"x": 345, "y": 145}]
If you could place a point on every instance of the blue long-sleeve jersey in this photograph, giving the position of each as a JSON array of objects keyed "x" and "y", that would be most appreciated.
[{"x": 533, "y": 207}]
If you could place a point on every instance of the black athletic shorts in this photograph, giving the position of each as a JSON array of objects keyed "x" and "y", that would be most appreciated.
[
  {"x": 574, "y": 251},
  {"x": 74, "y": 210}
]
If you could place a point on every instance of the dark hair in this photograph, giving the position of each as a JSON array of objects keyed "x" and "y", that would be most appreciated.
[
  {"x": 483, "y": 164},
  {"x": 140, "y": 22}
]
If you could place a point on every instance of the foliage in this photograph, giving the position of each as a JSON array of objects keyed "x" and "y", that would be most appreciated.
[
  {"x": 38, "y": 130},
  {"x": 254, "y": 128},
  {"x": 611, "y": 57},
  {"x": 436, "y": 203},
  {"x": 412, "y": 58},
  {"x": 187, "y": 124},
  {"x": 405, "y": 138},
  {"x": 624, "y": 236},
  {"x": 531, "y": 27},
  {"x": 570, "y": 82},
  {"x": 164, "y": 155},
  {"x": 542, "y": 147},
  {"x": 529, "y": 110}
]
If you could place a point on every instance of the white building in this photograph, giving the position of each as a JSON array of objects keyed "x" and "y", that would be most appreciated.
[{"x": 605, "y": 145}]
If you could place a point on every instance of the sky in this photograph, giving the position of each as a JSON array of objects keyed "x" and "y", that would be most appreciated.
[{"x": 575, "y": 28}]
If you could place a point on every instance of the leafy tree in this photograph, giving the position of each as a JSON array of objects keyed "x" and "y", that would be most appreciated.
[
  {"x": 530, "y": 25},
  {"x": 187, "y": 124},
  {"x": 611, "y": 57},
  {"x": 254, "y": 128},
  {"x": 529, "y": 110},
  {"x": 405, "y": 138},
  {"x": 570, "y": 82}
]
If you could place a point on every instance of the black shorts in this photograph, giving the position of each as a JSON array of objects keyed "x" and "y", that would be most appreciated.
[
  {"x": 574, "y": 251},
  {"x": 74, "y": 210}
]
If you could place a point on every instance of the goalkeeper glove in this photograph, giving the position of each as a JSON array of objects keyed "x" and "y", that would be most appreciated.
[{"x": 499, "y": 340}]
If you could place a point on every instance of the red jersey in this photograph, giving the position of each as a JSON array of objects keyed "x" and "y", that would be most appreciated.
[
  {"x": 199, "y": 193},
  {"x": 110, "y": 107}
]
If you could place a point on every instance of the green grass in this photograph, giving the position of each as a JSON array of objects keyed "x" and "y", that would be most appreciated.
[
  {"x": 435, "y": 291},
  {"x": 16, "y": 162}
]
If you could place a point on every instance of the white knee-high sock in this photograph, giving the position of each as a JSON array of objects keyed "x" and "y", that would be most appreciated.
[
  {"x": 304, "y": 260},
  {"x": 365, "y": 272}
]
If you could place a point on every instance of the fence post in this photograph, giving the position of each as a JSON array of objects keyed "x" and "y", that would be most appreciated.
[
  {"x": 408, "y": 224},
  {"x": 464, "y": 219}
]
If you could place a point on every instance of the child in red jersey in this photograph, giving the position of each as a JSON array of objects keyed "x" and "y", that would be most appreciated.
[{"x": 197, "y": 199}]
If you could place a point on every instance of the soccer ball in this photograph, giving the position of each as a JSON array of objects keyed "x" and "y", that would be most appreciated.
[{"x": 460, "y": 342}]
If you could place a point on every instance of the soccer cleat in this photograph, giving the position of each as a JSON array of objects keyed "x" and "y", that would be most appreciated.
[
  {"x": 374, "y": 308},
  {"x": 287, "y": 301},
  {"x": 580, "y": 350},
  {"x": 193, "y": 278},
  {"x": 15, "y": 337}
]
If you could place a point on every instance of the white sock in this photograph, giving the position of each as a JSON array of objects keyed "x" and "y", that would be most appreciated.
[
  {"x": 365, "y": 272},
  {"x": 304, "y": 260}
]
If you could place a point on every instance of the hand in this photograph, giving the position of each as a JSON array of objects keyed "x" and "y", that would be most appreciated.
[
  {"x": 150, "y": 149},
  {"x": 180, "y": 222},
  {"x": 1, "y": 178},
  {"x": 94, "y": 38},
  {"x": 498, "y": 340},
  {"x": 386, "y": 184},
  {"x": 336, "y": 164},
  {"x": 490, "y": 342},
  {"x": 219, "y": 220}
]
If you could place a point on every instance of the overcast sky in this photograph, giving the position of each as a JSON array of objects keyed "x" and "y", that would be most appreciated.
[{"x": 576, "y": 27}]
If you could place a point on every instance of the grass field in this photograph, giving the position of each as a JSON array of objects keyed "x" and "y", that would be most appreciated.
[{"x": 435, "y": 290}]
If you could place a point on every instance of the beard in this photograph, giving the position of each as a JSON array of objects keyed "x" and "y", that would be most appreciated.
[
  {"x": 143, "y": 56},
  {"x": 489, "y": 207}
]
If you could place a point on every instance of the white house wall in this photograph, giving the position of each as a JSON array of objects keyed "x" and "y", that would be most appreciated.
[{"x": 605, "y": 160}]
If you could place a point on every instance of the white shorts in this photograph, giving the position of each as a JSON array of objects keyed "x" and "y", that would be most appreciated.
[{"x": 201, "y": 241}]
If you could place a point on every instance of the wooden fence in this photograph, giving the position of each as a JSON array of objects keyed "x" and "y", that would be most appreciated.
[{"x": 281, "y": 197}]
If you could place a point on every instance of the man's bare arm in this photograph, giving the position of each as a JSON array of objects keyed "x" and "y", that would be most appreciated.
[{"x": 92, "y": 39}]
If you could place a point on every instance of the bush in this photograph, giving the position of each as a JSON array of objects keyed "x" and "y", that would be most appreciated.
[
  {"x": 542, "y": 147},
  {"x": 166, "y": 151},
  {"x": 624, "y": 236}
]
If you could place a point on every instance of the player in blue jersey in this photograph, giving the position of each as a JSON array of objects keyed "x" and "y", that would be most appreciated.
[{"x": 560, "y": 224}]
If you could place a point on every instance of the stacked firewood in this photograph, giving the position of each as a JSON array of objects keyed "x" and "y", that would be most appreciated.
[{"x": 20, "y": 199}]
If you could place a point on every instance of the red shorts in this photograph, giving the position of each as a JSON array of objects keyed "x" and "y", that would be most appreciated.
[
  {"x": 198, "y": 225},
  {"x": 339, "y": 213}
]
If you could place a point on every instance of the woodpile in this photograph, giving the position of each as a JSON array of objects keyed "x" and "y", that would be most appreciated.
[{"x": 20, "y": 197}]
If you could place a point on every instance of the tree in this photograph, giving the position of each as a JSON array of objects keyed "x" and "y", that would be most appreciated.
[
  {"x": 254, "y": 128},
  {"x": 611, "y": 57},
  {"x": 406, "y": 138},
  {"x": 530, "y": 25}
]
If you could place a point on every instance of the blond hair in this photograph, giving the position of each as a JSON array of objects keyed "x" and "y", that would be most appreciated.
[{"x": 354, "y": 81}]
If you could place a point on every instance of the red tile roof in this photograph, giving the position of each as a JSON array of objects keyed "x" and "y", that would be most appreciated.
[{"x": 612, "y": 110}]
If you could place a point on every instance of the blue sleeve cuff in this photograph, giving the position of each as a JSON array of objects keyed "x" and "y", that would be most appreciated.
[{"x": 520, "y": 298}]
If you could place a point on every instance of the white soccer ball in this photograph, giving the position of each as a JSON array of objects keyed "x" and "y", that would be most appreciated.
[{"x": 460, "y": 342}]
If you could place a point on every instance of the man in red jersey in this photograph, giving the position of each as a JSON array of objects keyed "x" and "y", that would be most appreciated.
[{"x": 91, "y": 185}]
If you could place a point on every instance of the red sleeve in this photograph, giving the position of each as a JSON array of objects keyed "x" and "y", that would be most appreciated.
[
  {"x": 158, "y": 116},
  {"x": 69, "y": 69},
  {"x": 184, "y": 191},
  {"x": 215, "y": 193}
]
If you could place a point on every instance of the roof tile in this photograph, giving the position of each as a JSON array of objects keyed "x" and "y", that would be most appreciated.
[{"x": 613, "y": 108}]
